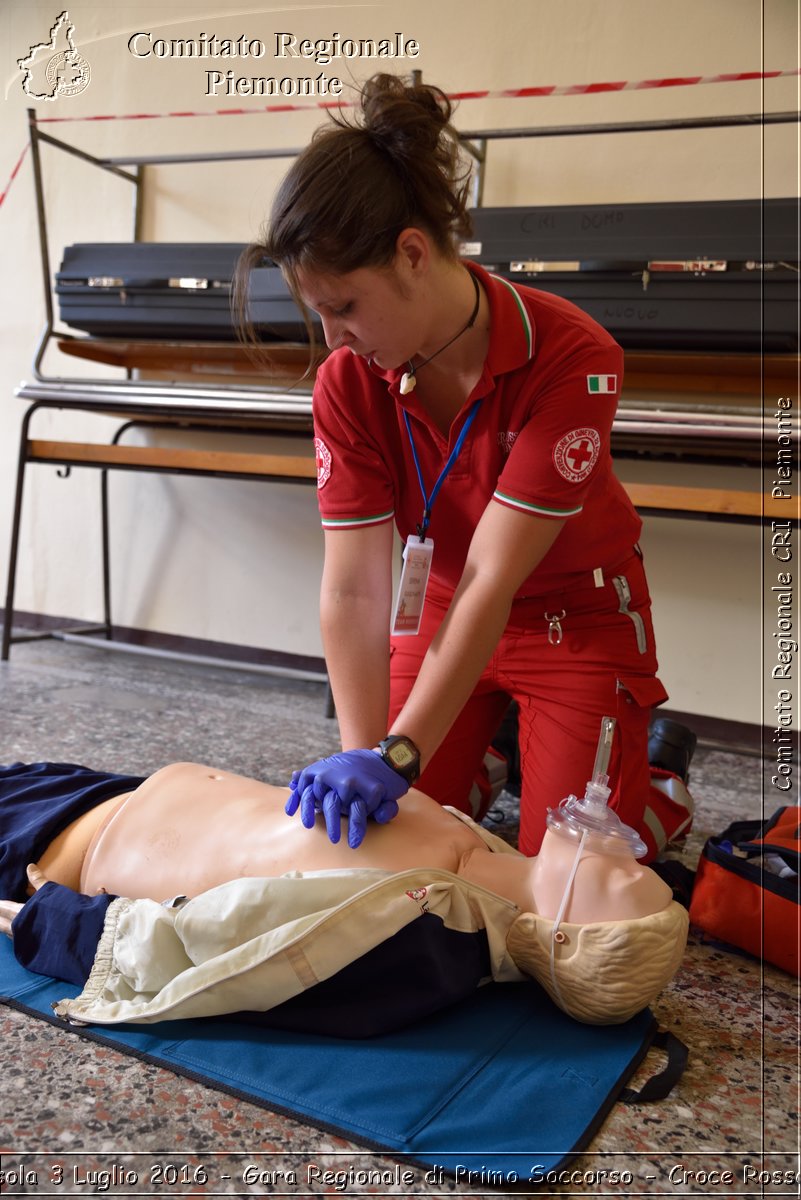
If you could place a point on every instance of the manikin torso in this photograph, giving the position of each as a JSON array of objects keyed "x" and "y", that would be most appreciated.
[{"x": 189, "y": 827}]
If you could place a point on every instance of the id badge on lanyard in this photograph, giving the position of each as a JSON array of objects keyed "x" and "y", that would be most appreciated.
[
  {"x": 409, "y": 601},
  {"x": 419, "y": 549}
]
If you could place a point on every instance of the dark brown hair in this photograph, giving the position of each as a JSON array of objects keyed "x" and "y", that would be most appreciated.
[{"x": 360, "y": 182}]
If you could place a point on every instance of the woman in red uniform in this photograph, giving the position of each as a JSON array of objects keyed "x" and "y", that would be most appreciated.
[{"x": 474, "y": 415}]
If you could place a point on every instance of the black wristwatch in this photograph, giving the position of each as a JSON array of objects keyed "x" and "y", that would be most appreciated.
[{"x": 402, "y": 755}]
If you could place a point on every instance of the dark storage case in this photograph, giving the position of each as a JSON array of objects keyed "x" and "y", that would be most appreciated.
[
  {"x": 170, "y": 290},
  {"x": 710, "y": 275}
]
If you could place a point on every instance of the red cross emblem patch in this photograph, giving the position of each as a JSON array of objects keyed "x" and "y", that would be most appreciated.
[
  {"x": 576, "y": 453},
  {"x": 323, "y": 455}
]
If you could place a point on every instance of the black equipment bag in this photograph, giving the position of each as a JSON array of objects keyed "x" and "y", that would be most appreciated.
[
  {"x": 707, "y": 275},
  {"x": 170, "y": 290}
]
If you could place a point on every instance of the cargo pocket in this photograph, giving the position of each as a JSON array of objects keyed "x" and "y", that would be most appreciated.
[
  {"x": 636, "y": 696},
  {"x": 642, "y": 691}
]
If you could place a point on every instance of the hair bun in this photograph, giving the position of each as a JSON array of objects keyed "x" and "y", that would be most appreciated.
[
  {"x": 405, "y": 119},
  {"x": 394, "y": 164}
]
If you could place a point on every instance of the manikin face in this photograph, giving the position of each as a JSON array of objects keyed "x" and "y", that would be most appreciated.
[{"x": 372, "y": 311}]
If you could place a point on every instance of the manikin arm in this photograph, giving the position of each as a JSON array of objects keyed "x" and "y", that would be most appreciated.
[{"x": 9, "y": 909}]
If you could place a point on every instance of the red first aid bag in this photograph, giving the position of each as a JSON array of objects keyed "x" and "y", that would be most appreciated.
[{"x": 746, "y": 888}]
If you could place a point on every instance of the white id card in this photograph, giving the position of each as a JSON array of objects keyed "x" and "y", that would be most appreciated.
[{"x": 411, "y": 595}]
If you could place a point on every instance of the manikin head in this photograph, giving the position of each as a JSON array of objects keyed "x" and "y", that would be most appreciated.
[{"x": 605, "y": 972}]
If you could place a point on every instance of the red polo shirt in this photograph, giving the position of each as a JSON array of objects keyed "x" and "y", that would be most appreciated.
[{"x": 539, "y": 442}]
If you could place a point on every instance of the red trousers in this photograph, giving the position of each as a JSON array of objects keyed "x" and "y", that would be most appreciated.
[{"x": 599, "y": 660}]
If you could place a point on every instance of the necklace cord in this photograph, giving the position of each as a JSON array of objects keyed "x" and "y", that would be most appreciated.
[
  {"x": 407, "y": 385},
  {"x": 470, "y": 323}
]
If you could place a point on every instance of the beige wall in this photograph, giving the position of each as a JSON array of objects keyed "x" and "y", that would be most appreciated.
[{"x": 241, "y": 562}]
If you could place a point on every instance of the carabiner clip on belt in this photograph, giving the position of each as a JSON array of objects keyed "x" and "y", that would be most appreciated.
[{"x": 554, "y": 627}]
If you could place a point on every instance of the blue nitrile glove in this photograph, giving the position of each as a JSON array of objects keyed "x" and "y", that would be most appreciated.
[{"x": 356, "y": 783}]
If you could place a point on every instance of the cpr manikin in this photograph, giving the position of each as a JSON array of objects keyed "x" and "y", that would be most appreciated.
[{"x": 596, "y": 928}]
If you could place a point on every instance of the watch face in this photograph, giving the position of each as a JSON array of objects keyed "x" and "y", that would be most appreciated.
[{"x": 401, "y": 755}]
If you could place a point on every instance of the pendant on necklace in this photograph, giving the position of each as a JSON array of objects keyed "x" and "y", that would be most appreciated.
[{"x": 408, "y": 383}]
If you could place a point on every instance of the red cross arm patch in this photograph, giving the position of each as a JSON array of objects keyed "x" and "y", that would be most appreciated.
[
  {"x": 323, "y": 455},
  {"x": 575, "y": 454}
]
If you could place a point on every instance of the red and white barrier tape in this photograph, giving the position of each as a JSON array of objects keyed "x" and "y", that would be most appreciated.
[
  {"x": 572, "y": 89},
  {"x": 591, "y": 89},
  {"x": 13, "y": 176}
]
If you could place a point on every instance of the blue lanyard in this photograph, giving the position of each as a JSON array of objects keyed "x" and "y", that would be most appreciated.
[{"x": 428, "y": 501}]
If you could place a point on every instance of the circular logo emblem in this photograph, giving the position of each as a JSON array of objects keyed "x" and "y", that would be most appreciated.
[
  {"x": 576, "y": 454},
  {"x": 323, "y": 462},
  {"x": 69, "y": 72}
]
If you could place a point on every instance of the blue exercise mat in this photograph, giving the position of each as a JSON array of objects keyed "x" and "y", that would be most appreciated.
[{"x": 501, "y": 1081}]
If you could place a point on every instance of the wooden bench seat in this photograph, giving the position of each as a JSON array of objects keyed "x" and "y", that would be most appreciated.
[
  {"x": 715, "y": 502},
  {"x": 171, "y": 459},
  {"x": 666, "y": 499}
]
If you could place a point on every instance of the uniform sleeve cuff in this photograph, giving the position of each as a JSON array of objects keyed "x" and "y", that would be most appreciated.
[{"x": 57, "y": 932}]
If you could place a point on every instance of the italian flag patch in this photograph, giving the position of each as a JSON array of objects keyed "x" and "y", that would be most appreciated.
[{"x": 601, "y": 384}]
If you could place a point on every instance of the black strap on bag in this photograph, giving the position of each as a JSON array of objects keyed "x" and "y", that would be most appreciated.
[{"x": 661, "y": 1085}]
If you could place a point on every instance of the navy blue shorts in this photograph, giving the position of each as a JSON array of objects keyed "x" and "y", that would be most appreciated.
[{"x": 37, "y": 801}]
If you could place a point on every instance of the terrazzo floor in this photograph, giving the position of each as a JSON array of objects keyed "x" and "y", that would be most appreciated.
[{"x": 69, "y": 1102}]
